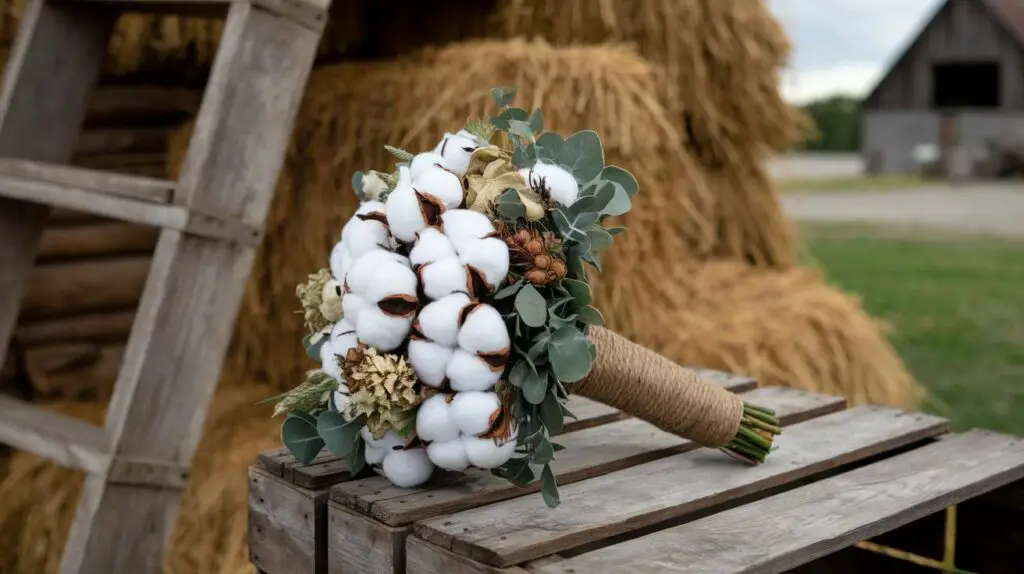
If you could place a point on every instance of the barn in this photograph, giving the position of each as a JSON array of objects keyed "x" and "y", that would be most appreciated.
[{"x": 958, "y": 89}]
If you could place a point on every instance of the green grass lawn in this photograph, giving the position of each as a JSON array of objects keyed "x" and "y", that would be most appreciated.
[
  {"x": 957, "y": 305},
  {"x": 851, "y": 183}
]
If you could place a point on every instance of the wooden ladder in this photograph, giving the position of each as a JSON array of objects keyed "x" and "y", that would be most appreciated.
[{"x": 211, "y": 223}]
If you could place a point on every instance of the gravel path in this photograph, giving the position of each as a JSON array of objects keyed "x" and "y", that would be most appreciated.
[{"x": 984, "y": 208}]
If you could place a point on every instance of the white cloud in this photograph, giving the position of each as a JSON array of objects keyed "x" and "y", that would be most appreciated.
[{"x": 845, "y": 78}]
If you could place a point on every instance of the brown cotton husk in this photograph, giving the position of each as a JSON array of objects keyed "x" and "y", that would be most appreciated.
[
  {"x": 342, "y": 127},
  {"x": 785, "y": 328},
  {"x": 38, "y": 499}
]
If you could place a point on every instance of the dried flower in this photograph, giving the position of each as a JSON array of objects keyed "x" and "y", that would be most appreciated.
[
  {"x": 317, "y": 300},
  {"x": 383, "y": 388},
  {"x": 490, "y": 174},
  {"x": 534, "y": 254}
]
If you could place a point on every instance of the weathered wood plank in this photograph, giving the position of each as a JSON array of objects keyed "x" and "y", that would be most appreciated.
[
  {"x": 59, "y": 438},
  {"x": 796, "y": 527},
  {"x": 63, "y": 288},
  {"x": 101, "y": 238},
  {"x": 588, "y": 453},
  {"x": 64, "y": 176},
  {"x": 518, "y": 530},
  {"x": 73, "y": 370},
  {"x": 425, "y": 558},
  {"x": 106, "y": 326},
  {"x": 284, "y": 523},
  {"x": 114, "y": 104},
  {"x": 134, "y": 139},
  {"x": 359, "y": 544}
]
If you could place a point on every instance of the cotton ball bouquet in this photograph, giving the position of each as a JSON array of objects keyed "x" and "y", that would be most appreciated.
[{"x": 454, "y": 307}]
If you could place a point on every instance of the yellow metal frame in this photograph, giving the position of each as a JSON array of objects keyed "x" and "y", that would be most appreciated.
[{"x": 948, "y": 563}]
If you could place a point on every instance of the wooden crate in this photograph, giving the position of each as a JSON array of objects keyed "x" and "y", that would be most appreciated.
[{"x": 635, "y": 499}]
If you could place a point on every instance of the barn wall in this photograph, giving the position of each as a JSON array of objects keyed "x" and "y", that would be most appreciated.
[
  {"x": 963, "y": 30},
  {"x": 889, "y": 137}
]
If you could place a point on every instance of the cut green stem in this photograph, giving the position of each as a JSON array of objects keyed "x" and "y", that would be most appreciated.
[{"x": 753, "y": 441}]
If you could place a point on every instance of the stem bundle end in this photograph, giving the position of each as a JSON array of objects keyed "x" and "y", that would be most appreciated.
[{"x": 753, "y": 441}]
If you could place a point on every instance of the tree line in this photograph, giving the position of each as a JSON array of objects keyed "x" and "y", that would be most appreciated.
[{"x": 837, "y": 123}]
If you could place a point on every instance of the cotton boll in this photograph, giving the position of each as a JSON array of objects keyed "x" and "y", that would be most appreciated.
[
  {"x": 422, "y": 162},
  {"x": 461, "y": 225},
  {"x": 364, "y": 270},
  {"x": 472, "y": 411},
  {"x": 343, "y": 338},
  {"x": 467, "y": 372},
  {"x": 366, "y": 236},
  {"x": 443, "y": 277},
  {"x": 404, "y": 214},
  {"x": 429, "y": 360},
  {"x": 484, "y": 453},
  {"x": 434, "y": 420},
  {"x": 439, "y": 321},
  {"x": 339, "y": 399},
  {"x": 378, "y": 329},
  {"x": 390, "y": 440},
  {"x": 374, "y": 455},
  {"x": 408, "y": 468},
  {"x": 404, "y": 176},
  {"x": 340, "y": 261},
  {"x": 353, "y": 305},
  {"x": 456, "y": 150},
  {"x": 391, "y": 279},
  {"x": 489, "y": 256},
  {"x": 442, "y": 184},
  {"x": 329, "y": 361},
  {"x": 562, "y": 185},
  {"x": 484, "y": 331},
  {"x": 431, "y": 245},
  {"x": 450, "y": 455}
]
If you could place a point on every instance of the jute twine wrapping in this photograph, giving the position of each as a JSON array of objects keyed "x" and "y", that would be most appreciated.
[{"x": 646, "y": 385}]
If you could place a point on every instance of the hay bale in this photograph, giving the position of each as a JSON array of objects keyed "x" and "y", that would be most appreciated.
[
  {"x": 38, "y": 499},
  {"x": 786, "y": 328},
  {"x": 352, "y": 110}
]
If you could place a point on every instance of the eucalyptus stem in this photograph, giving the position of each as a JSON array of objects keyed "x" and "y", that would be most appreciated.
[{"x": 758, "y": 429}]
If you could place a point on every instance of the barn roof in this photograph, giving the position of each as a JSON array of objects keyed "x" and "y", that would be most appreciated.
[{"x": 1008, "y": 13}]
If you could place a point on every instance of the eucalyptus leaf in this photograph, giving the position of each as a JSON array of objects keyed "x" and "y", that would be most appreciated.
[
  {"x": 621, "y": 177},
  {"x": 551, "y": 414},
  {"x": 313, "y": 349},
  {"x": 531, "y": 306},
  {"x": 356, "y": 459},
  {"x": 503, "y": 96},
  {"x": 357, "y": 183},
  {"x": 520, "y": 128},
  {"x": 520, "y": 372},
  {"x": 573, "y": 227},
  {"x": 591, "y": 316},
  {"x": 537, "y": 121},
  {"x": 337, "y": 433},
  {"x": 600, "y": 239},
  {"x": 574, "y": 260},
  {"x": 549, "y": 488},
  {"x": 509, "y": 290},
  {"x": 619, "y": 203},
  {"x": 582, "y": 155},
  {"x": 613, "y": 231},
  {"x": 299, "y": 434},
  {"x": 557, "y": 447},
  {"x": 548, "y": 146},
  {"x": 569, "y": 354},
  {"x": 510, "y": 206},
  {"x": 539, "y": 346},
  {"x": 579, "y": 290},
  {"x": 544, "y": 453},
  {"x": 502, "y": 121},
  {"x": 518, "y": 472},
  {"x": 522, "y": 156},
  {"x": 535, "y": 387}
]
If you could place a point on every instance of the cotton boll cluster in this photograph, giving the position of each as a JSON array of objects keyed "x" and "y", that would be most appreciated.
[
  {"x": 380, "y": 300},
  {"x": 561, "y": 184},
  {"x": 459, "y": 255},
  {"x": 404, "y": 467},
  {"x": 455, "y": 425}
]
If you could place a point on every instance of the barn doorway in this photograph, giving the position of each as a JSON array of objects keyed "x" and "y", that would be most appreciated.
[{"x": 966, "y": 85}]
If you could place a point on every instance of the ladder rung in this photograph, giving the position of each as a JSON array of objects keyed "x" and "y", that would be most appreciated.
[
  {"x": 310, "y": 13},
  {"x": 123, "y": 197},
  {"x": 60, "y": 438}
]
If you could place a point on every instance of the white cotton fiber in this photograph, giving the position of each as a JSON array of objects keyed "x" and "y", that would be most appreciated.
[
  {"x": 429, "y": 360},
  {"x": 461, "y": 225},
  {"x": 374, "y": 455},
  {"x": 366, "y": 236},
  {"x": 378, "y": 329},
  {"x": 489, "y": 256},
  {"x": 450, "y": 455},
  {"x": 467, "y": 372},
  {"x": 422, "y": 162},
  {"x": 339, "y": 261},
  {"x": 363, "y": 271},
  {"x": 390, "y": 439},
  {"x": 442, "y": 278},
  {"x": 484, "y": 453},
  {"x": 329, "y": 361},
  {"x": 562, "y": 185},
  {"x": 434, "y": 420},
  {"x": 353, "y": 305},
  {"x": 442, "y": 184},
  {"x": 343, "y": 337},
  {"x": 431, "y": 245},
  {"x": 484, "y": 331},
  {"x": 439, "y": 321},
  {"x": 339, "y": 399},
  {"x": 407, "y": 468},
  {"x": 404, "y": 215},
  {"x": 456, "y": 151},
  {"x": 390, "y": 279},
  {"x": 472, "y": 411}
]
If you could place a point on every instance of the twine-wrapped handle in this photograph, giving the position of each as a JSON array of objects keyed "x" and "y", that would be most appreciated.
[{"x": 647, "y": 385}]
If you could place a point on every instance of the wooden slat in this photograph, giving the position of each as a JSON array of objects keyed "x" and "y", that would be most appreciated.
[
  {"x": 59, "y": 438},
  {"x": 518, "y": 530},
  {"x": 283, "y": 525},
  {"x": 79, "y": 179},
  {"x": 132, "y": 105},
  {"x": 100, "y": 238},
  {"x": 796, "y": 527},
  {"x": 49, "y": 76},
  {"x": 588, "y": 453},
  {"x": 73, "y": 370},
  {"x": 423, "y": 558},
  {"x": 188, "y": 309},
  {"x": 67, "y": 287},
  {"x": 112, "y": 141},
  {"x": 589, "y": 414},
  {"x": 356, "y": 543}
]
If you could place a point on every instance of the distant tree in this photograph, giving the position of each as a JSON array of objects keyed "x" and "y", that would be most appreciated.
[{"x": 837, "y": 120}]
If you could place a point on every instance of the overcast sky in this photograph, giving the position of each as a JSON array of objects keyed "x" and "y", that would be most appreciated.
[{"x": 844, "y": 46}]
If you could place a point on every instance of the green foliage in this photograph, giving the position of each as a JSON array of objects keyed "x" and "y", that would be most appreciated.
[
  {"x": 582, "y": 155},
  {"x": 837, "y": 120},
  {"x": 530, "y": 305},
  {"x": 357, "y": 185},
  {"x": 503, "y": 96},
  {"x": 299, "y": 434}
]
